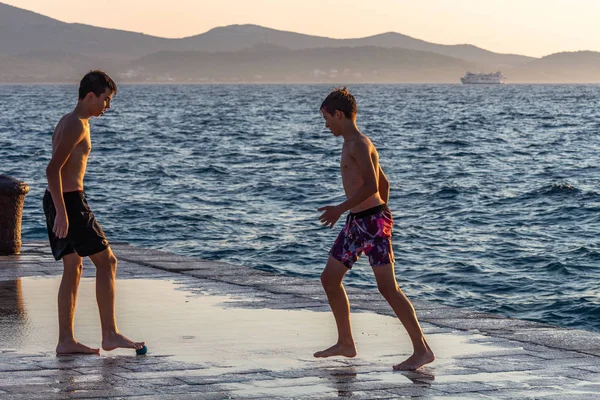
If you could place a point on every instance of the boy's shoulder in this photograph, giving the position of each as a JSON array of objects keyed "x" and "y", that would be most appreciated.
[
  {"x": 369, "y": 143},
  {"x": 70, "y": 125},
  {"x": 359, "y": 147},
  {"x": 364, "y": 142}
]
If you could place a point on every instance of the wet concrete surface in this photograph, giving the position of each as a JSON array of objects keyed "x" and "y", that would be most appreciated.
[{"x": 219, "y": 331}]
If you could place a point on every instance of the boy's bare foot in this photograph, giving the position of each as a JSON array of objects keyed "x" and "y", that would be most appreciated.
[
  {"x": 74, "y": 347},
  {"x": 337, "y": 350},
  {"x": 416, "y": 361},
  {"x": 116, "y": 340}
]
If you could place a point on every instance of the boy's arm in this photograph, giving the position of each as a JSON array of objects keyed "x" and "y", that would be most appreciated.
[
  {"x": 360, "y": 152},
  {"x": 384, "y": 186},
  {"x": 72, "y": 134}
]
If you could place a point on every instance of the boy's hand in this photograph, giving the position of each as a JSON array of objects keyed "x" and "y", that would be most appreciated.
[
  {"x": 330, "y": 216},
  {"x": 61, "y": 226}
]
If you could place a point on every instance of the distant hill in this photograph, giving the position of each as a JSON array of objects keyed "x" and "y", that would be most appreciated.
[
  {"x": 36, "y": 48},
  {"x": 22, "y": 31},
  {"x": 566, "y": 67},
  {"x": 237, "y": 37},
  {"x": 273, "y": 64},
  {"x": 40, "y": 66}
]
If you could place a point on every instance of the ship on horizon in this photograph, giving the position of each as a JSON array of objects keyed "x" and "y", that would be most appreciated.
[{"x": 495, "y": 78}]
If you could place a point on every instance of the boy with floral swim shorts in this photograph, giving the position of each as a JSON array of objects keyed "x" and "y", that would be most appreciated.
[{"x": 368, "y": 230}]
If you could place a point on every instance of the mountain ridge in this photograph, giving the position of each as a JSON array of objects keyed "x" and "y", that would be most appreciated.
[{"x": 37, "y": 48}]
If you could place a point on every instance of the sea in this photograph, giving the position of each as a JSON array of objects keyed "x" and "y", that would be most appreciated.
[{"x": 495, "y": 190}]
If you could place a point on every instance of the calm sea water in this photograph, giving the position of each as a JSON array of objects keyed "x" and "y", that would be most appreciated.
[{"x": 495, "y": 190}]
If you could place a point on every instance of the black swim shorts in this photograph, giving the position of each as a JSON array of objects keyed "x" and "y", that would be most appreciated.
[{"x": 85, "y": 235}]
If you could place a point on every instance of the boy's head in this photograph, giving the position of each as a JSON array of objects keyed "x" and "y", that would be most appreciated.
[
  {"x": 97, "y": 89},
  {"x": 336, "y": 107},
  {"x": 340, "y": 100}
]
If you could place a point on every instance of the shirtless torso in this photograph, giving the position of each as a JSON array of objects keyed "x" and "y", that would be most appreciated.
[
  {"x": 352, "y": 179},
  {"x": 73, "y": 171}
]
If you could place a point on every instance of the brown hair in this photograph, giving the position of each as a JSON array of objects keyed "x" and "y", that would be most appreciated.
[
  {"x": 340, "y": 99},
  {"x": 96, "y": 82}
]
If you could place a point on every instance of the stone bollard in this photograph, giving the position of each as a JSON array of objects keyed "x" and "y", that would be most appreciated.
[{"x": 12, "y": 197}]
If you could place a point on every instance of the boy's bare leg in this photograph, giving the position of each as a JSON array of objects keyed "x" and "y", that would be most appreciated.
[
  {"x": 386, "y": 283},
  {"x": 106, "y": 276},
  {"x": 331, "y": 278},
  {"x": 67, "y": 300}
]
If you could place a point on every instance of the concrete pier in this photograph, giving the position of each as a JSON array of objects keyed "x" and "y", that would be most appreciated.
[{"x": 221, "y": 331}]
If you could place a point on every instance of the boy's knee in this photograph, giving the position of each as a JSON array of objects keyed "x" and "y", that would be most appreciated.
[
  {"x": 73, "y": 268},
  {"x": 112, "y": 261},
  {"x": 328, "y": 281},
  {"x": 109, "y": 263},
  {"x": 387, "y": 289},
  {"x": 323, "y": 278}
]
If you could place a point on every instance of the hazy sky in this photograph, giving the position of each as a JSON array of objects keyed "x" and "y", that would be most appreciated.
[{"x": 529, "y": 27}]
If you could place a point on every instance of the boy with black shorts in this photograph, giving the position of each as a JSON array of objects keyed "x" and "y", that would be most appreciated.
[
  {"x": 72, "y": 228},
  {"x": 368, "y": 230}
]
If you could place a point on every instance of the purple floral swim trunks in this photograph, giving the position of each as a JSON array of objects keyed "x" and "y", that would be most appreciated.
[{"x": 368, "y": 231}]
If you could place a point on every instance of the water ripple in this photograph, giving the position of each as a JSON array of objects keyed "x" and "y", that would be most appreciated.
[{"x": 494, "y": 189}]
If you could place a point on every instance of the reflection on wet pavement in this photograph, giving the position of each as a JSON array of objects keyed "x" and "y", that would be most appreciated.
[{"x": 204, "y": 345}]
